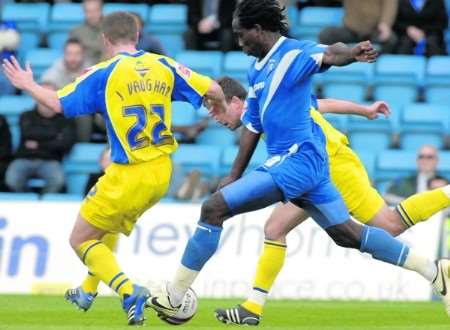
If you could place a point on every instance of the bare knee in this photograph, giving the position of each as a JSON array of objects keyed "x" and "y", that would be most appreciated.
[
  {"x": 347, "y": 234},
  {"x": 214, "y": 210},
  {"x": 275, "y": 232}
]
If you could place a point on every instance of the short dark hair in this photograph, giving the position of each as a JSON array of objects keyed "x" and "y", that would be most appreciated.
[
  {"x": 267, "y": 13},
  {"x": 73, "y": 40},
  {"x": 120, "y": 26},
  {"x": 232, "y": 87}
]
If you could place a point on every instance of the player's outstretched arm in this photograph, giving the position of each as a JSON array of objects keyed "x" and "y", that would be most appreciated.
[
  {"x": 215, "y": 100},
  {"x": 247, "y": 145},
  {"x": 23, "y": 80},
  {"x": 340, "y": 54},
  {"x": 351, "y": 108}
]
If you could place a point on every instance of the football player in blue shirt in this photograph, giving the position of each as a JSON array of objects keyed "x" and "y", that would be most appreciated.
[{"x": 297, "y": 166}]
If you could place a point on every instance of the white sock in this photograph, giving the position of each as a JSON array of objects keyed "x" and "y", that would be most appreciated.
[
  {"x": 258, "y": 297},
  {"x": 421, "y": 265},
  {"x": 183, "y": 279}
]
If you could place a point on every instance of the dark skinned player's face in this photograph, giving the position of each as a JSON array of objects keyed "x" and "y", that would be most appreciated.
[{"x": 248, "y": 39}]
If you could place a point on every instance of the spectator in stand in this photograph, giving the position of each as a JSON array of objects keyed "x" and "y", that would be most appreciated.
[
  {"x": 89, "y": 32},
  {"x": 147, "y": 41},
  {"x": 420, "y": 26},
  {"x": 5, "y": 150},
  {"x": 45, "y": 137},
  {"x": 9, "y": 41},
  {"x": 63, "y": 72},
  {"x": 104, "y": 161},
  {"x": 365, "y": 20},
  {"x": 209, "y": 24},
  {"x": 427, "y": 161}
]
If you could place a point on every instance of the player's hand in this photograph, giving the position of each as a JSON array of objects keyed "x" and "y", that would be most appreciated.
[
  {"x": 377, "y": 108},
  {"x": 364, "y": 52},
  {"x": 19, "y": 78},
  {"x": 384, "y": 32},
  {"x": 226, "y": 181}
]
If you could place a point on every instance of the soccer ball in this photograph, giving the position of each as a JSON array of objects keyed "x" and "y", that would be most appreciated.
[{"x": 186, "y": 312}]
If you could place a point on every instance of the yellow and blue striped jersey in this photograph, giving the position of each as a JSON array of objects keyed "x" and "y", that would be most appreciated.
[{"x": 134, "y": 92}]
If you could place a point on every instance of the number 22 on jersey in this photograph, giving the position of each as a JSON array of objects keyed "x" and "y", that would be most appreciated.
[{"x": 159, "y": 133}]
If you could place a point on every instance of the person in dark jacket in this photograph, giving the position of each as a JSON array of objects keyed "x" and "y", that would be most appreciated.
[
  {"x": 45, "y": 137},
  {"x": 5, "y": 150},
  {"x": 420, "y": 25}
]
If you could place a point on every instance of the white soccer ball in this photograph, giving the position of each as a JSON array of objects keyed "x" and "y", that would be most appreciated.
[
  {"x": 9, "y": 39},
  {"x": 186, "y": 312}
]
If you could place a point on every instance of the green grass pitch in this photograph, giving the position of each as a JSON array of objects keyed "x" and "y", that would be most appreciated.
[{"x": 52, "y": 312}]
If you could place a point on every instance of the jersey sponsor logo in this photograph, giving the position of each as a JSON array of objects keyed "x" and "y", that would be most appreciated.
[
  {"x": 184, "y": 70},
  {"x": 258, "y": 86},
  {"x": 141, "y": 69}
]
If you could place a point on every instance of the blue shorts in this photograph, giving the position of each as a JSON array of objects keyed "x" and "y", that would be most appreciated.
[{"x": 299, "y": 177}]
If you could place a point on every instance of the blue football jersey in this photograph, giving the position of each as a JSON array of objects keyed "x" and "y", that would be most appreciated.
[{"x": 279, "y": 97}]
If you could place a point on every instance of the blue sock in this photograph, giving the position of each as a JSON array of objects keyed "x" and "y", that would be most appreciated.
[
  {"x": 382, "y": 246},
  {"x": 201, "y": 246}
]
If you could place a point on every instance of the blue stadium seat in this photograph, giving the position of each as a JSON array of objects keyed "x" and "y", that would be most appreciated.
[
  {"x": 173, "y": 43},
  {"x": 57, "y": 39},
  {"x": 354, "y": 73},
  {"x": 28, "y": 16},
  {"x": 437, "y": 80},
  {"x": 83, "y": 158},
  {"x": 29, "y": 40},
  {"x": 341, "y": 90},
  {"x": 41, "y": 59},
  {"x": 208, "y": 63},
  {"x": 61, "y": 198},
  {"x": 236, "y": 65},
  {"x": 230, "y": 152},
  {"x": 15, "y": 136},
  {"x": 392, "y": 164},
  {"x": 206, "y": 159},
  {"x": 11, "y": 106},
  {"x": 65, "y": 16},
  {"x": 76, "y": 183},
  {"x": 4, "y": 196},
  {"x": 443, "y": 167},
  {"x": 368, "y": 158},
  {"x": 138, "y": 8},
  {"x": 218, "y": 136},
  {"x": 183, "y": 114},
  {"x": 311, "y": 20},
  {"x": 398, "y": 77},
  {"x": 376, "y": 141},
  {"x": 167, "y": 18},
  {"x": 424, "y": 124}
]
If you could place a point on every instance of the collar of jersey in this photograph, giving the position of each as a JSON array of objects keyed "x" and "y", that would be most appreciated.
[
  {"x": 138, "y": 53},
  {"x": 259, "y": 65}
]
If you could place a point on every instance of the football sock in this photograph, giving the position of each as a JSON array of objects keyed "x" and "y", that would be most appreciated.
[
  {"x": 420, "y": 264},
  {"x": 100, "y": 261},
  {"x": 382, "y": 246},
  {"x": 420, "y": 207},
  {"x": 90, "y": 283},
  {"x": 199, "y": 249},
  {"x": 269, "y": 266}
]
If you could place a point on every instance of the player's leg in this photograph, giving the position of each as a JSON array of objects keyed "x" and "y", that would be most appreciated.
[
  {"x": 283, "y": 219},
  {"x": 253, "y": 191}
]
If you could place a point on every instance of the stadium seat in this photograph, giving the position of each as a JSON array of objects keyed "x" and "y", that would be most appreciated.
[
  {"x": 355, "y": 92},
  {"x": 424, "y": 124},
  {"x": 206, "y": 159},
  {"x": 76, "y": 183},
  {"x": 165, "y": 18},
  {"x": 31, "y": 17},
  {"x": 138, "y": 8},
  {"x": 368, "y": 158},
  {"x": 57, "y": 39},
  {"x": 83, "y": 158},
  {"x": 11, "y": 106},
  {"x": 443, "y": 167},
  {"x": 354, "y": 73},
  {"x": 230, "y": 152},
  {"x": 392, "y": 164},
  {"x": 395, "y": 94},
  {"x": 208, "y": 63},
  {"x": 41, "y": 59},
  {"x": 61, "y": 198},
  {"x": 4, "y": 196},
  {"x": 375, "y": 141},
  {"x": 173, "y": 43},
  {"x": 339, "y": 122},
  {"x": 28, "y": 40},
  {"x": 183, "y": 114},
  {"x": 236, "y": 65},
  {"x": 65, "y": 16},
  {"x": 311, "y": 20},
  {"x": 437, "y": 80},
  {"x": 218, "y": 136}
]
